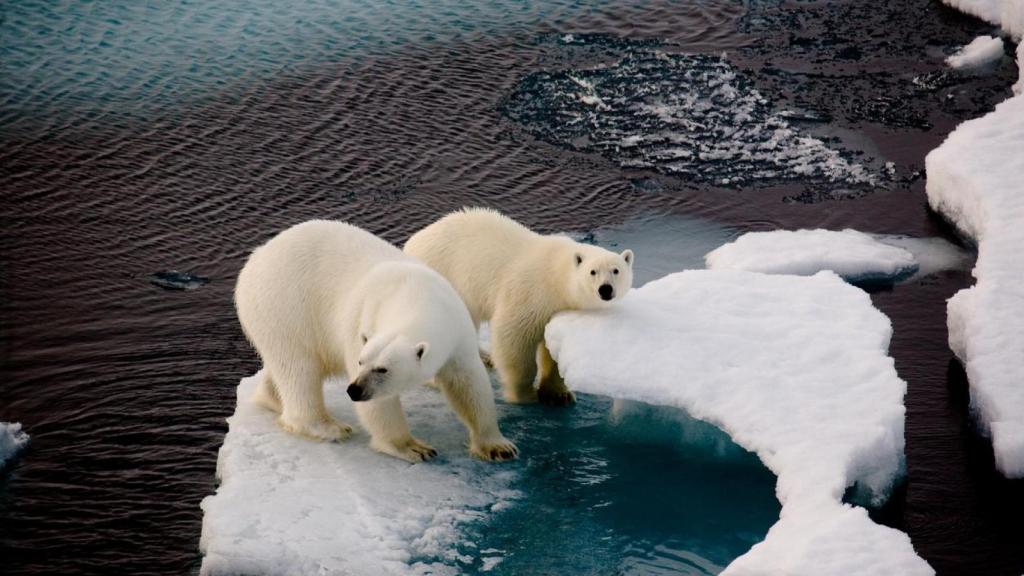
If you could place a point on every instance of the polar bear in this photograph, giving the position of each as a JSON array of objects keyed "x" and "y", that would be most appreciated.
[
  {"x": 517, "y": 280},
  {"x": 326, "y": 298}
]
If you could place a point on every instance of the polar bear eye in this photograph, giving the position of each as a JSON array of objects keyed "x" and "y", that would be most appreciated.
[
  {"x": 615, "y": 271},
  {"x": 381, "y": 370},
  {"x": 593, "y": 272}
]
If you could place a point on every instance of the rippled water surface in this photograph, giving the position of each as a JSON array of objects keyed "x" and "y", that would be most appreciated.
[{"x": 143, "y": 141}]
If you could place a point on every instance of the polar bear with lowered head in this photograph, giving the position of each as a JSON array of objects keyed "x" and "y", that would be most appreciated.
[
  {"x": 517, "y": 280},
  {"x": 326, "y": 298}
]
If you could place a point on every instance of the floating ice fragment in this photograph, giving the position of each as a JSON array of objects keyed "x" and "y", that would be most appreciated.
[
  {"x": 981, "y": 51},
  {"x": 12, "y": 441},
  {"x": 857, "y": 257}
]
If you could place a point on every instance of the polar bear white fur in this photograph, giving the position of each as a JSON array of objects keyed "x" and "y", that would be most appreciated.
[
  {"x": 517, "y": 280},
  {"x": 326, "y": 298}
]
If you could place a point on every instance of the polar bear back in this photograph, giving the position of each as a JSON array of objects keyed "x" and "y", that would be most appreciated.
[
  {"x": 289, "y": 288},
  {"x": 482, "y": 252}
]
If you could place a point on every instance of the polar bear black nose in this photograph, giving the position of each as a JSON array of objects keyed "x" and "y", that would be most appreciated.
[
  {"x": 355, "y": 392},
  {"x": 606, "y": 291}
]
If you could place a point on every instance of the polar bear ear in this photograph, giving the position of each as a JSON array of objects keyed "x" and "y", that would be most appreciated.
[
  {"x": 579, "y": 259},
  {"x": 627, "y": 255},
  {"x": 421, "y": 349}
]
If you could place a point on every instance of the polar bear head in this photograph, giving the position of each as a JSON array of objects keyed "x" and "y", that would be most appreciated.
[
  {"x": 389, "y": 364},
  {"x": 599, "y": 276}
]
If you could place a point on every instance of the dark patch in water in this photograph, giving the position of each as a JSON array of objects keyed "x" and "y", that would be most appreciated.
[
  {"x": 818, "y": 59},
  {"x": 174, "y": 280},
  {"x": 646, "y": 184},
  {"x": 693, "y": 116}
]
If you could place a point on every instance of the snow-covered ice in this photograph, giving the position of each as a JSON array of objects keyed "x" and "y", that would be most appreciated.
[
  {"x": 288, "y": 505},
  {"x": 12, "y": 440},
  {"x": 981, "y": 51},
  {"x": 976, "y": 179},
  {"x": 1007, "y": 14},
  {"x": 795, "y": 369},
  {"x": 856, "y": 256}
]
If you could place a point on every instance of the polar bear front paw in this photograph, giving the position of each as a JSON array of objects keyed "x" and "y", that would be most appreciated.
[
  {"x": 556, "y": 397},
  {"x": 411, "y": 449},
  {"x": 495, "y": 451},
  {"x": 330, "y": 430}
]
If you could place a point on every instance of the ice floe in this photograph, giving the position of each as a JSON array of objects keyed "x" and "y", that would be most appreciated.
[
  {"x": 288, "y": 505},
  {"x": 1007, "y": 14},
  {"x": 12, "y": 440},
  {"x": 795, "y": 369},
  {"x": 976, "y": 179},
  {"x": 981, "y": 51},
  {"x": 856, "y": 256}
]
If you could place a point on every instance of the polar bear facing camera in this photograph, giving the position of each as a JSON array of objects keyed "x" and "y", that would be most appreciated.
[
  {"x": 326, "y": 298},
  {"x": 517, "y": 280}
]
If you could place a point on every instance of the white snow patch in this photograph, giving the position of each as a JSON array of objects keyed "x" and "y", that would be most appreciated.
[
  {"x": 1007, "y": 14},
  {"x": 854, "y": 255},
  {"x": 981, "y": 51},
  {"x": 976, "y": 179},
  {"x": 289, "y": 505},
  {"x": 12, "y": 440},
  {"x": 793, "y": 368}
]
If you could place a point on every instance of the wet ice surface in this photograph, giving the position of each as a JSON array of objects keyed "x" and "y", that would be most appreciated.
[
  {"x": 603, "y": 485},
  {"x": 628, "y": 488},
  {"x": 795, "y": 369},
  {"x": 693, "y": 116},
  {"x": 287, "y": 504}
]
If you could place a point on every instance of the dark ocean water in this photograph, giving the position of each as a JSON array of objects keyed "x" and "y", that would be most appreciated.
[{"x": 139, "y": 139}]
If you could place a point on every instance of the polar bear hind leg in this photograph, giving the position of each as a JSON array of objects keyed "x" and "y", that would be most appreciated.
[
  {"x": 266, "y": 393},
  {"x": 514, "y": 352},
  {"x": 552, "y": 390}
]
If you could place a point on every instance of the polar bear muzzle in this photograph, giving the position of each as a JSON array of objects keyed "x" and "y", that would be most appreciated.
[
  {"x": 357, "y": 392},
  {"x": 606, "y": 291}
]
